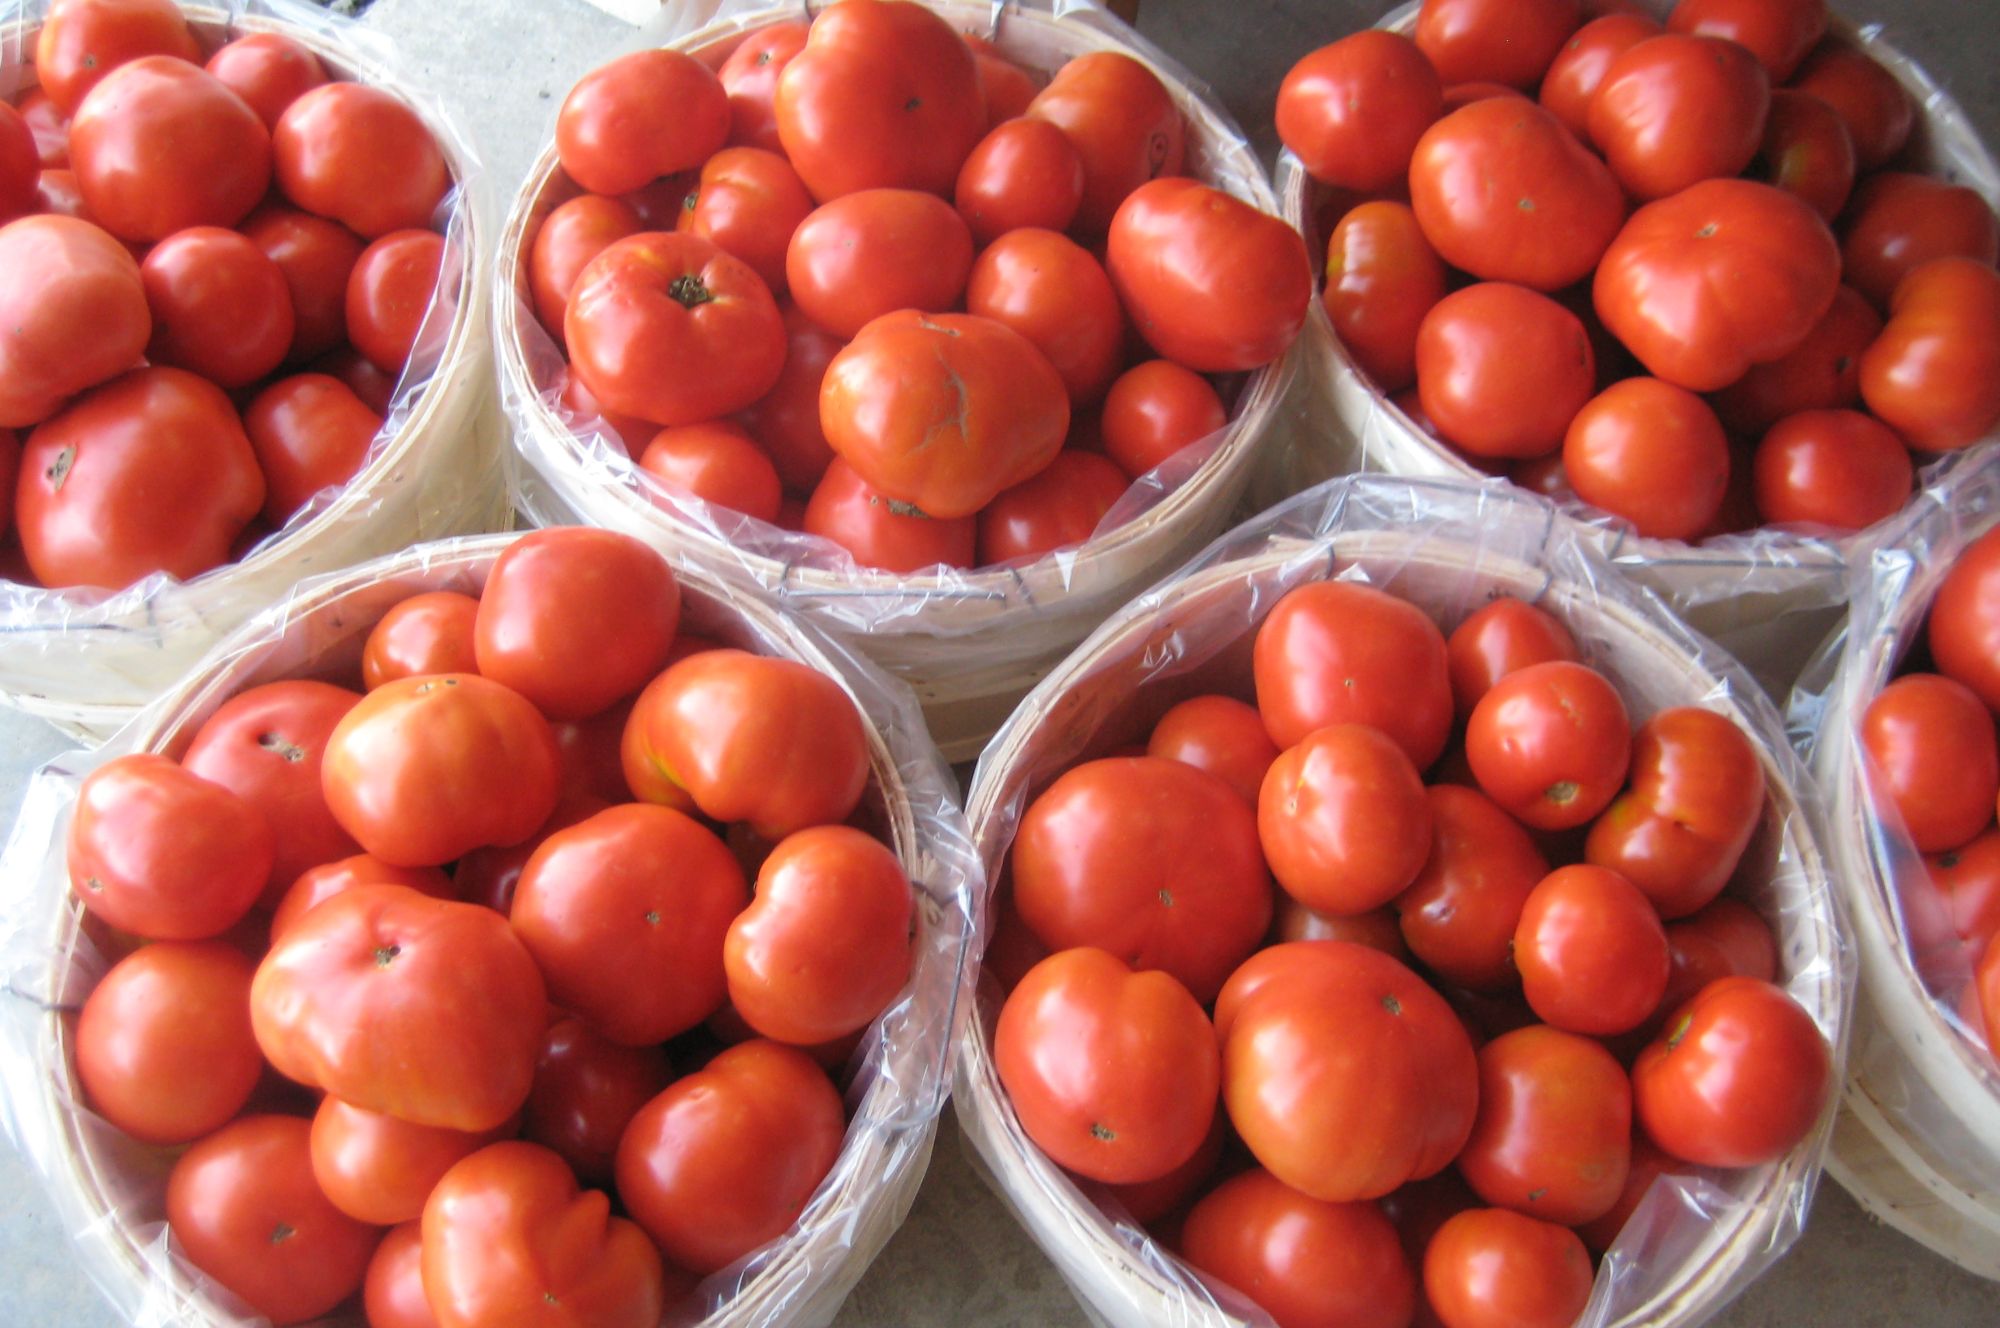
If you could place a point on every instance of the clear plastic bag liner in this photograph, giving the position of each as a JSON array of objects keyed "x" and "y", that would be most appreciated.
[
  {"x": 86, "y": 659},
  {"x": 1768, "y": 595},
  {"x": 1448, "y": 547},
  {"x": 1930, "y": 1087},
  {"x": 109, "y": 1191}
]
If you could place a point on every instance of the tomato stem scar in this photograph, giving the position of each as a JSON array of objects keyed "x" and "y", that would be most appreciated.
[
  {"x": 386, "y": 954},
  {"x": 688, "y": 291}
]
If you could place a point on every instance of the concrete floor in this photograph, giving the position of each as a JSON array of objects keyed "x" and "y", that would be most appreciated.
[{"x": 960, "y": 1260}]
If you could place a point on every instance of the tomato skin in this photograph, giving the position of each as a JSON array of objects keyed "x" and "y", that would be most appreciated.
[
  {"x": 1651, "y": 453},
  {"x": 1492, "y": 1268},
  {"x": 490, "y": 876},
  {"x": 848, "y": 262},
  {"x": 1676, "y": 109},
  {"x": 268, "y": 70},
  {"x": 718, "y": 462},
  {"x": 1726, "y": 939},
  {"x": 390, "y": 292},
  {"x": 1699, "y": 314},
  {"x": 1823, "y": 373},
  {"x": 1579, "y": 68},
  {"x": 1004, "y": 86},
  {"x": 1382, "y": 278},
  {"x": 1964, "y": 632},
  {"x": 564, "y": 244},
  {"x": 1343, "y": 819},
  {"x": 316, "y": 257},
  {"x": 310, "y": 432},
  {"x": 1504, "y": 41},
  {"x": 392, "y": 1294},
  {"x": 1023, "y": 173},
  {"x": 163, "y": 1046},
  {"x": 1554, "y": 1133},
  {"x": 1878, "y": 112},
  {"x": 1319, "y": 113},
  {"x": 1550, "y": 744},
  {"x": 378, "y": 1169},
  {"x": 1900, "y": 221},
  {"x": 880, "y": 531},
  {"x": 1152, "y": 860},
  {"x": 1835, "y": 468},
  {"x": 220, "y": 307},
  {"x": 509, "y": 1238},
  {"x": 427, "y": 633},
  {"x": 73, "y": 313},
  {"x": 587, "y": 1089},
  {"x": 1506, "y": 635},
  {"x": 1218, "y": 734},
  {"x": 1471, "y": 349},
  {"x": 1807, "y": 151},
  {"x": 726, "y": 1158},
  {"x": 244, "y": 1208},
  {"x": 359, "y": 156},
  {"x": 1308, "y": 1264},
  {"x": 786, "y": 419},
  {"x": 318, "y": 884},
  {"x": 1737, "y": 1077},
  {"x": 1458, "y": 917},
  {"x": 82, "y": 41},
  {"x": 749, "y": 202},
  {"x": 640, "y": 116},
  {"x": 750, "y": 79},
  {"x": 1934, "y": 373},
  {"x": 1122, "y": 122},
  {"x": 1592, "y": 953},
  {"x": 1049, "y": 289},
  {"x": 1932, "y": 752},
  {"x": 1153, "y": 410},
  {"x": 1060, "y": 507}
]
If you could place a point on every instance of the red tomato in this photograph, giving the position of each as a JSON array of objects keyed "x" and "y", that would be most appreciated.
[
  {"x": 310, "y": 433},
  {"x": 1835, "y": 468},
  {"x": 749, "y": 202},
  {"x": 220, "y": 307},
  {"x": 849, "y": 262},
  {"x": 1060, "y": 507},
  {"x": 163, "y": 1046},
  {"x": 49, "y": 124},
  {"x": 1554, "y": 1133},
  {"x": 1648, "y": 1165},
  {"x": 20, "y": 163},
  {"x": 1114, "y": 1074},
  {"x": 316, "y": 257},
  {"x": 1824, "y": 373},
  {"x": 378, "y": 1169},
  {"x": 488, "y": 876},
  {"x": 1218, "y": 734},
  {"x": 1153, "y": 410},
  {"x": 1023, "y": 173},
  {"x": 786, "y": 419},
  {"x": 1338, "y": 652},
  {"x": 1900, "y": 221},
  {"x": 1320, "y": 112},
  {"x": 1382, "y": 278},
  {"x": 1579, "y": 68},
  {"x": 1651, "y": 453},
  {"x": 1964, "y": 633},
  {"x": 1124, "y": 124},
  {"x": 1806, "y": 151},
  {"x": 392, "y": 1296},
  {"x": 1778, "y": 32},
  {"x": 717, "y": 462},
  {"x": 1458, "y": 917},
  {"x": 564, "y": 244},
  {"x": 1726, "y": 939},
  {"x": 1307, "y": 1264},
  {"x": 1049, "y": 289},
  {"x": 243, "y": 1208},
  {"x": 1460, "y": 95},
  {"x": 507, "y": 1235},
  {"x": 361, "y": 157},
  {"x": 1736, "y": 1079},
  {"x": 391, "y": 293},
  {"x": 1592, "y": 954},
  {"x": 750, "y": 78},
  {"x": 768, "y": 741},
  {"x": 1550, "y": 743},
  {"x": 1502, "y": 370},
  {"x": 1005, "y": 87},
  {"x": 725, "y": 1159},
  {"x": 1343, "y": 1071},
  {"x": 1721, "y": 276},
  {"x": 1675, "y": 110},
  {"x": 640, "y": 116},
  {"x": 1149, "y": 1201},
  {"x": 587, "y": 1089},
  {"x": 268, "y": 70},
  {"x": 883, "y": 532},
  {"x": 1506, "y": 41},
  {"x": 593, "y": 765},
  {"x": 1933, "y": 759},
  {"x": 1934, "y": 373},
  {"x": 1508, "y": 634},
  {"x": 72, "y": 314},
  {"x": 319, "y": 884},
  {"x": 83, "y": 40},
  {"x": 1343, "y": 819},
  {"x": 1209, "y": 281},
  {"x": 427, "y": 633},
  {"x": 1877, "y": 110},
  {"x": 1492, "y": 1268}
]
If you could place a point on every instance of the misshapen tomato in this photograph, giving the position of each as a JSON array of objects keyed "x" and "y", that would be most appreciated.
[
  {"x": 379, "y": 1169},
  {"x": 1934, "y": 373},
  {"x": 643, "y": 115},
  {"x": 1382, "y": 278},
  {"x": 1320, "y": 113},
  {"x": 1502, "y": 370},
  {"x": 1505, "y": 41},
  {"x": 1122, "y": 122},
  {"x": 359, "y": 156},
  {"x": 73, "y": 313},
  {"x": 1676, "y": 109}
]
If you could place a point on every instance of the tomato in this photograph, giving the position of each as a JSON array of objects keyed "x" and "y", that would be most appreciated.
[
  {"x": 1933, "y": 759},
  {"x": 1726, "y": 939},
  {"x": 1024, "y": 173},
  {"x": 1550, "y": 743},
  {"x": 749, "y": 202},
  {"x": 392, "y": 1295},
  {"x": 361, "y": 157},
  {"x": 1721, "y": 276},
  {"x": 508, "y": 1237},
  {"x": 1153, "y": 860},
  {"x": 1592, "y": 953},
  {"x": 1964, "y": 632},
  {"x": 1554, "y": 1132},
  {"x": 1338, "y": 652},
  {"x": 1502, "y": 370},
  {"x": 378, "y": 1169},
  {"x": 1878, "y": 112},
  {"x": 943, "y": 411},
  {"x": 1737, "y": 1078},
  {"x": 642, "y": 115},
  {"x": 786, "y": 419},
  {"x": 1697, "y": 797},
  {"x": 749, "y": 77},
  {"x": 1004, "y": 86},
  {"x": 489, "y": 876},
  {"x": 849, "y": 262},
  {"x": 1900, "y": 221},
  {"x": 1306, "y": 1263},
  {"x": 1209, "y": 281},
  {"x": 318, "y": 884},
  {"x": 1506, "y": 41},
  {"x": 883, "y": 532},
  {"x": 310, "y": 433},
  {"x": 1835, "y": 468},
  {"x": 1049, "y": 289},
  {"x": 591, "y": 749},
  {"x": 1459, "y": 916},
  {"x": 1059, "y": 507},
  {"x": 725, "y": 1159},
  {"x": 72, "y": 314},
  {"x": 427, "y": 633},
  {"x": 1218, "y": 734},
  {"x": 83, "y": 40},
  {"x": 1824, "y": 373},
  {"x": 1382, "y": 278},
  {"x": 1493, "y": 1268},
  {"x": 1320, "y": 116},
  {"x": 564, "y": 244},
  {"x": 1675, "y": 110},
  {"x": 1579, "y": 68},
  {"x": 1153, "y": 410},
  {"x": 220, "y": 307},
  {"x": 1651, "y": 453},
  {"x": 1122, "y": 122},
  {"x": 718, "y": 462},
  {"x": 1343, "y": 819},
  {"x": 672, "y": 329},
  {"x": 20, "y": 163},
  {"x": 268, "y": 70},
  {"x": 391, "y": 294},
  {"x": 1343, "y": 1071},
  {"x": 1934, "y": 373},
  {"x": 1508, "y": 634},
  {"x": 768, "y": 741},
  {"x": 542, "y": 627},
  {"x": 1806, "y": 151},
  {"x": 49, "y": 124},
  {"x": 316, "y": 257},
  {"x": 587, "y": 1089},
  {"x": 244, "y": 1209},
  {"x": 1778, "y": 32}
]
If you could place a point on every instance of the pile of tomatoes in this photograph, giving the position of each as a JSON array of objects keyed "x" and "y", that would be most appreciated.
[
  {"x": 1686, "y": 274},
  {"x": 211, "y": 277},
  {"x": 1442, "y": 1062},
  {"x": 867, "y": 281},
  {"x": 406, "y": 970}
]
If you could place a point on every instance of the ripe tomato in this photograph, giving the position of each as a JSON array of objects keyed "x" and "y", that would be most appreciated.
[
  {"x": 1382, "y": 278},
  {"x": 1049, "y": 289},
  {"x": 243, "y": 1208},
  {"x": 1721, "y": 276},
  {"x": 638, "y": 117},
  {"x": 1675, "y": 110},
  {"x": 1778, "y": 32},
  {"x": 1493, "y": 1268},
  {"x": 392, "y": 1295},
  {"x": 786, "y": 419},
  {"x": 220, "y": 307},
  {"x": 767, "y": 741},
  {"x": 1023, "y": 173},
  {"x": 1218, "y": 734},
  {"x": 390, "y": 294},
  {"x": 20, "y": 164},
  {"x": 427, "y": 633},
  {"x": 564, "y": 244},
  {"x": 163, "y": 1046},
  {"x": 83, "y": 40},
  {"x": 725, "y": 1159},
  {"x": 310, "y": 433},
  {"x": 883, "y": 532},
  {"x": 1506, "y": 635},
  {"x": 1878, "y": 113},
  {"x": 318, "y": 884},
  {"x": 1737, "y": 1078},
  {"x": 379, "y": 1169},
  {"x": 1502, "y": 370},
  {"x": 268, "y": 70},
  {"x": 72, "y": 314},
  {"x": 1579, "y": 68},
  {"x": 361, "y": 157},
  {"x": 1824, "y": 373},
  {"x": 1308, "y": 1264},
  {"x": 749, "y": 202},
  {"x": 1458, "y": 917},
  {"x": 1343, "y": 1071},
  {"x": 488, "y": 876},
  {"x": 508, "y": 1229},
  {"x": 1320, "y": 116},
  {"x": 1153, "y": 410},
  {"x": 1122, "y": 122},
  {"x": 1343, "y": 819},
  {"x": 1059, "y": 507},
  {"x": 1836, "y": 468},
  {"x": 1964, "y": 632},
  {"x": 316, "y": 256},
  {"x": 1553, "y": 1136},
  {"x": 1550, "y": 743},
  {"x": 1900, "y": 221},
  {"x": 1806, "y": 151},
  {"x": 1933, "y": 759},
  {"x": 1651, "y": 453},
  {"x": 1004, "y": 86},
  {"x": 1726, "y": 939},
  {"x": 1209, "y": 281},
  {"x": 718, "y": 462},
  {"x": 850, "y": 261},
  {"x": 587, "y": 1089},
  {"x": 1934, "y": 373},
  {"x": 1592, "y": 953},
  {"x": 1504, "y": 41},
  {"x": 750, "y": 79}
]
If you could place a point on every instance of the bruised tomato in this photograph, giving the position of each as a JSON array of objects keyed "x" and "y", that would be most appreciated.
[{"x": 1677, "y": 109}]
